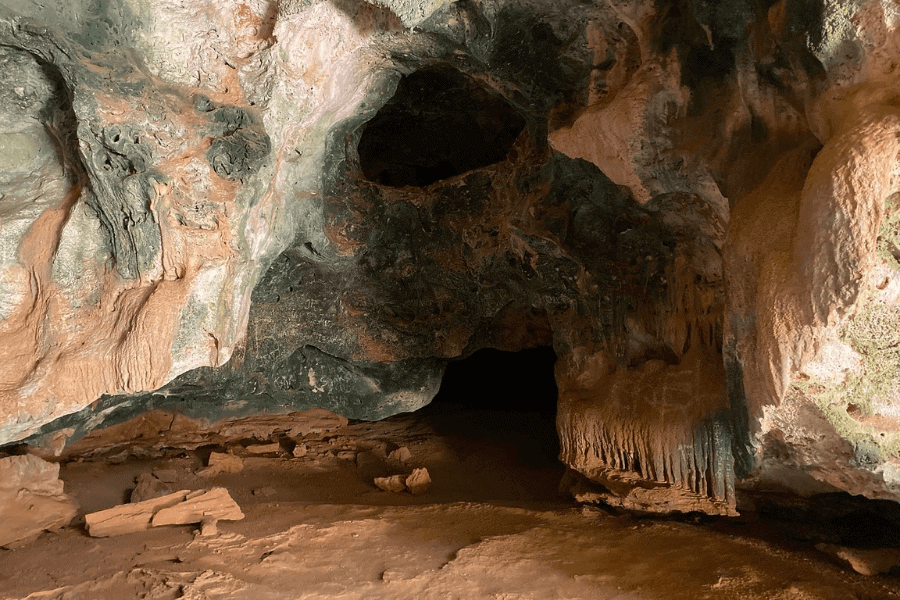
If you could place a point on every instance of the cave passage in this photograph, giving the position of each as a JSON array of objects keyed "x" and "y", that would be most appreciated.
[
  {"x": 504, "y": 397},
  {"x": 439, "y": 123}
]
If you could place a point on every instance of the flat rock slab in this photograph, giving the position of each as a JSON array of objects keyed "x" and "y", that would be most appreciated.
[
  {"x": 214, "y": 505},
  {"x": 181, "y": 508},
  {"x": 129, "y": 518},
  {"x": 272, "y": 448},
  {"x": 31, "y": 499}
]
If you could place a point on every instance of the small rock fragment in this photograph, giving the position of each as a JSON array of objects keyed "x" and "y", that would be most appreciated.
[
  {"x": 419, "y": 481},
  {"x": 220, "y": 462},
  {"x": 867, "y": 562},
  {"x": 393, "y": 483},
  {"x": 401, "y": 454},
  {"x": 300, "y": 450},
  {"x": 266, "y": 491},
  {"x": 148, "y": 486},
  {"x": 272, "y": 448},
  {"x": 166, "y": 475},
  {"x": 347, "y": 455},
  {"x": 215, "y": 504},
  {"x": 129, "y": 518}
]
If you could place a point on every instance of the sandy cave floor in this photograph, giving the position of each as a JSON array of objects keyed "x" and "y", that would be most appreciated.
[{"x": 492, "y": 525}]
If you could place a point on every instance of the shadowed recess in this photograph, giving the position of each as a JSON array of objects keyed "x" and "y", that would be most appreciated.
[{"x": 439, "y": 124}]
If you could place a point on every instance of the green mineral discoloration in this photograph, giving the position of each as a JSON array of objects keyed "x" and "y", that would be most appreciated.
[
  {"x": 95, "y": 24},
  {"x": 413, "y": 12},
  {"x": 18, "y": 150},
  {"x": 874, "y": 333},
  {"x": 888, "y": 244}
]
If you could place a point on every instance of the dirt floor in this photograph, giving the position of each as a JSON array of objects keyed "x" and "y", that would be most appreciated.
[{"x": 492, "y": 525}]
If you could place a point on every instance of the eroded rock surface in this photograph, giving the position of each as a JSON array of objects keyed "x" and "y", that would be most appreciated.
[
  {"x": 257, "y": 207},
  {"x": 32, "y": 499}
]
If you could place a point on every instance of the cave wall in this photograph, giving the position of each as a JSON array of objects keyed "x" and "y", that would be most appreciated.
[{"x": 264, "y": 206}]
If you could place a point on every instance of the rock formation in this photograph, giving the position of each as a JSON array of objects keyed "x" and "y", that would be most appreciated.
[
  {"x": 31, "y": 499},
  {"x": 265, "y": 206}
]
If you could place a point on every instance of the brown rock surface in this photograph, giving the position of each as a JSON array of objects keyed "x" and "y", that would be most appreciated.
[
  {"x": 272, "y": 448},
  {"x": 221, "y": 462},
  {"x": 394, "y": 483},
  {"x": 129, "y": 518},
  {"x": 148, "y": 487},
  {"x": 418, "y": 481},
  {"x": 491, "y": 526},
  {"x": 31, "y": 499},
  {"x": 868, "y": 561},
  {"x": 212, "y": 505}
]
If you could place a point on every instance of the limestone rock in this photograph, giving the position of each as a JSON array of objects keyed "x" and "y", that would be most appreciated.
[
  {"x": 129, "y": 518},
  {"x": 419, "y": 481},
  {"x": 215, "y": 505},
  {"x": 401, "y": 454},
  {"x": 149, "y": 487},
  {"x": 220, "y": 462},
  {"x": 166, "y": 475},
  {"x": 316, "y": 420},
  {"x": 299, "y": 451},
  {"x": 31, "y": 499},
  {"x": 203, "y": 212},
  {"x": 870, "y": 561},
  {"x": 394, "y": 483},
  {"x": 208, "y": 528},
  {"x": 272, "y": 448}
]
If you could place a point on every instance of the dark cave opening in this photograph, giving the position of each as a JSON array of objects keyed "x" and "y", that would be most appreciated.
[
  {"x": 502, "y": 397},
  {"x": 440, "y": 123}
]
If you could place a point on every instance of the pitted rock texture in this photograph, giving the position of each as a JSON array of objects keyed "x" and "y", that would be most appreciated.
[{"x": 269, "y": 206}]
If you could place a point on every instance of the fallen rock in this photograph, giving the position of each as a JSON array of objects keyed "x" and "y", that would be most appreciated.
[
  {"x": 401, "y": 454},
  {"x": 394, "y": 483},
  {"x": 215, "y": 504},
  {"x": 220, "y": 462},
  {"x": 300, "y": 450},
  {"x": 31, "y": 499},
  {"x": 166, "y": 475},
  {"x": 316, "y": 420},
  {"x": 148, "y": 487},
  {"x": 266, "y": 491},
  {"x": 419, "y": 481},
  {"x": 347, "y": 455},
  {"x": 872, "y": 561},
  {"x": 181, "y": 508},
  {"x": 129, "y": 518},
  {"x": 264, "y": 448}
]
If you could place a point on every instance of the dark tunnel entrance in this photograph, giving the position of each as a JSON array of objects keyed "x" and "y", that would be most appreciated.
[
  {"x": 502, "y": 397},
  {"x": 439, "y": 123}
]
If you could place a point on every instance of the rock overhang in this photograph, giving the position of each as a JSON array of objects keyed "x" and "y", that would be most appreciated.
[{"x": 660, "y": 214}]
